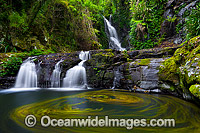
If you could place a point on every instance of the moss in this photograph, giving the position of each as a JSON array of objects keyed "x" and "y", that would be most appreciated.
[
  {"x": 142, "y": 62},
  {"x": 109, "y": 75},
  {"x": 108, "y": 50},
  {"x": 182, "y": 68},
  {"x": 195, "y": 90},
  {"x": 106, "y": 54},
  {"x": 129, "y": 60},
  {"x": 172, "y": 88},
  {"x": 194, "y": 52},
  {"x": 194, "y": 41},
  {"x": 168, "y": 71}
]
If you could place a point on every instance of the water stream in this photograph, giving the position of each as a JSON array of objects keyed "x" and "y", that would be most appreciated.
[
  {"x": 81, "y": 102},
  {"x": 76, "y": 76},
  {"x": 55, "y": 78},
  {"x": 27, "y": 75},
  {"x": 111, "y": 32}
]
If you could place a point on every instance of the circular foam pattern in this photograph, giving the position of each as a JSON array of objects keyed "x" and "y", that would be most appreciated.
[{"x": 115, "y": 104}]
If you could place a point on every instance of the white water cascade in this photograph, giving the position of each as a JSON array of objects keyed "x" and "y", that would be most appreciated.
[
  {"x": 76, "y": 76},
  {"x": 112, "y": 35},
  {"x": 27, "y": 76},
  {"x": 55, "y": 78}
]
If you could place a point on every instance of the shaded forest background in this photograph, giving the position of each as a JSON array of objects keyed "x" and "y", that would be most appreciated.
[{"x": 69, "y": 25}]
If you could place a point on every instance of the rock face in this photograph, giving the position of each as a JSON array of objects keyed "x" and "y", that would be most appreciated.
[
  {"x": 174, "y": 17},
  {"x": 106, "y": 68},
  {"x": 7, "y": 82},
  {"x": 144, "y": 72},
  {"x": 168, "y": 27},
  {"x": 46, "y": 65},
  {"x": 182, "y": 70},
  {"x": 171, "y": 70},
  {"x": 112, "y": 69}
]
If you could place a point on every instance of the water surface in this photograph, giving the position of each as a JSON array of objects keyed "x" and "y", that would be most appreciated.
[{"x": 14, "y": 107}]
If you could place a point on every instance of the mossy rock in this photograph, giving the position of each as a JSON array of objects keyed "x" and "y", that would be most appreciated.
[
  {"x": 166, "y": 86},
  {"x": 183, "y": 68},
  {"x": 102, "y": 59},
  {"x": 143, "y": 62},
  {"x": 168, "y": 71},
  {"x": 195, "y": 90},
  {"x": 27, "y": 43},
  {"x": 108, "y": 53}
]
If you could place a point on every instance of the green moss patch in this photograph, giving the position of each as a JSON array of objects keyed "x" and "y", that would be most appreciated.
[
  {"x": 195, "y": 90},
  {"x": 143, "y": 62}
]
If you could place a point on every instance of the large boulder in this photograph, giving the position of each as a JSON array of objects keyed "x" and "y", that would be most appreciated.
[{"x": 182, "y": 70}]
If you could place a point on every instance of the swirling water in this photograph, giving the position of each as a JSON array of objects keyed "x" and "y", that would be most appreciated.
[{"x": 115, "y": 104}]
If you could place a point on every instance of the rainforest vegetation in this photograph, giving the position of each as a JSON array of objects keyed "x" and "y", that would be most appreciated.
[{"x": 35, "y": 27}]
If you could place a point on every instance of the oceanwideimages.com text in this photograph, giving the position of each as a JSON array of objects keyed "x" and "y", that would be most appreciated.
[{"x": 96, "y": 121}]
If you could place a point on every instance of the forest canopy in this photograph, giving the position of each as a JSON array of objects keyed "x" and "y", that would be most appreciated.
[{"x": 68, "y": 25}]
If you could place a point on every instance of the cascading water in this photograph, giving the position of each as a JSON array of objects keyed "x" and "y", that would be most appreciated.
[
  {"x": 84, "y": 55},
  {"x": 55, "y": 78},
  {"x": 27, "y": 76},
  {"x": 118, "y": 76},
  {"x": 112, "y": 35},
  {"x": 76, "y": 76}
]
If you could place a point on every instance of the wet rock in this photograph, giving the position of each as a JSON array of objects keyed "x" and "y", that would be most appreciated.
[
  {"x": 46, "y": 64},
  {"x": 168, "y": 28},
  {"x": 7, "y": 82},
  {"x": 107, "y": 68},
  {"x": 168, "y": 13},
  {"x": 182, "y": 11},
  {"x": 144, "y": 72},
  {"x": 169, "y": 3},
  {"x": 178, "y": 40},
  {"x": 182, "y": 70}
]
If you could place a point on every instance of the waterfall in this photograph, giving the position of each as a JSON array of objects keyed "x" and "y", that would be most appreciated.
[
  {"x": 84, "y": 55},
  {"x": 76, "y": 76},
  {"x": 27, "y": 76},
  {"x": 55, "y": 78},
  {"x": 112, "y": 35},
  {"x": 118, "y": 76}
]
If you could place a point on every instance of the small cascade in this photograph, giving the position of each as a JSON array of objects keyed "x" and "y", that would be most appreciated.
[
  {"x": 55, "y": 78},
  {"x": 118, "y": 76},
  {"x": 76, "y": 76},
  {"x": 27, "y": 76},
  {"x": 112, "y": 35},
  {"x": 84, "y": 55}
]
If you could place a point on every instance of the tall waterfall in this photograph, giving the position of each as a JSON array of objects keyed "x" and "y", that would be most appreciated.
[
  {"x": 27, "y": 76},
  {"x": 76, "y": 76},
  {"x": 112, "y": 35},
  {"x": 55, "y": 78}
]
